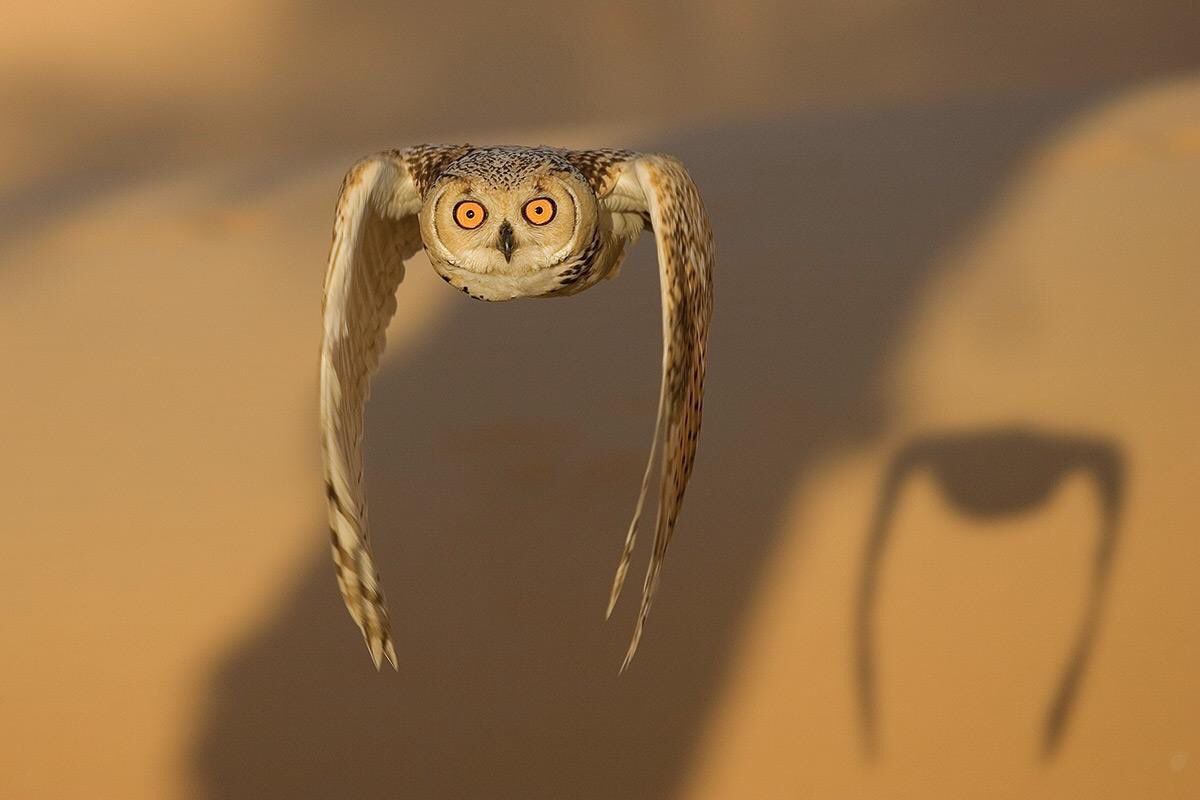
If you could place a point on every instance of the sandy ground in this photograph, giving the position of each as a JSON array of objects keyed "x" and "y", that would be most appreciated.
[{"x": 966, "y": 236}]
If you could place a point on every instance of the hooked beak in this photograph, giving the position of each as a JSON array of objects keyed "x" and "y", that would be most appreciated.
[{"x": 506, "y": 243}]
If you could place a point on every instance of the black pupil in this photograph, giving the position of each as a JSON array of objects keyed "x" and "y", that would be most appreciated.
[{"x": 470, "y": 214}]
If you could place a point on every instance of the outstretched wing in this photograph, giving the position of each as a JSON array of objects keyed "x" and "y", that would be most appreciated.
[
  {"x": 374, "y": 231},
  {"x": 658, "y": 187}
]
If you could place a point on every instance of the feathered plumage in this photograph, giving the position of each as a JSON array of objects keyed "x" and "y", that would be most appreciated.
[{"x": 500, "y": 223}]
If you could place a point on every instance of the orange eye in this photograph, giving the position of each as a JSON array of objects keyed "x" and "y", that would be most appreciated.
[
  {"x": 469, "y": 214},
  {"x": 539, "y": 210}
]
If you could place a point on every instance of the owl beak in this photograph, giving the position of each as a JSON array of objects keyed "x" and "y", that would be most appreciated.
[{"x": 506, "y": 244}]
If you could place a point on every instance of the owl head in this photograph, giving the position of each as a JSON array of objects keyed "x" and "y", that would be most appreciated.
[{"x": 501, "y": 223}]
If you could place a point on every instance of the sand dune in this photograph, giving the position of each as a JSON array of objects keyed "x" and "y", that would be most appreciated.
[{"x": 934, "y": 225}]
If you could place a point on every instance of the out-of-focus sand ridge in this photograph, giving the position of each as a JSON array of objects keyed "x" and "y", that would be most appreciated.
[
  {"x": 161, "y": 459},
  {"x": 93, "y": 91},
  {"x": 160, "y": 467},
  {"x": 1076, "y": 314}
]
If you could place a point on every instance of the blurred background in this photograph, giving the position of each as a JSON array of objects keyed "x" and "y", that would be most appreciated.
[{"x": 943, "y": 531}]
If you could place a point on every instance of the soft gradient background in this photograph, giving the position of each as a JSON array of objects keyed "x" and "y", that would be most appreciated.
[{"x": 964, "y": 231}]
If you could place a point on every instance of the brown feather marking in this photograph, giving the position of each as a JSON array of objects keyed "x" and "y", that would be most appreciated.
[
  {"x": 600, "y": 168},
  {"x": 358, "y": 302},
  {"x": 686, "y": 253}
]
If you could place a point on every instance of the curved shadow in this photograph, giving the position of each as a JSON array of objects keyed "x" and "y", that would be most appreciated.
[
  {"x": 989, "y": 474},
  {"x": 503, "y": 460}
]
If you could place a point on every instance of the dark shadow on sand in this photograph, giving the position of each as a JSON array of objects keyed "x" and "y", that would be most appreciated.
[{"x": 991, "y": 474}]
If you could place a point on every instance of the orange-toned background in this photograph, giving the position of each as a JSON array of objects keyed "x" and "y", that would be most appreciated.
[{"x": 939, "y": 223}]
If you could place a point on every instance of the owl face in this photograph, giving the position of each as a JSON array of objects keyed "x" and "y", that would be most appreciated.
[{"x": 501, "y": 239}]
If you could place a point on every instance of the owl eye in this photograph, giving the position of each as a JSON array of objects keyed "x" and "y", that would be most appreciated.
[
  {"x": 539, "y": 210},
  {"x": 469, "y": 214}
]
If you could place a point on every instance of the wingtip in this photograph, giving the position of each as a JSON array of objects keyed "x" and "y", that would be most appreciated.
[
  {"x": 375, "y": 646},
  {"x": 390, "y": 650},
  {"x": 623, "y": 566},
  {"x": 381, "y": 647},
  {"x": 618, "y": 584},
  {"x": 633, "y": 647},
  {"x": 629, "y": 654}
]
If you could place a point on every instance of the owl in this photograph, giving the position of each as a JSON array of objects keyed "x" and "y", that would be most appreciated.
[{"x": 500, "y": 223}]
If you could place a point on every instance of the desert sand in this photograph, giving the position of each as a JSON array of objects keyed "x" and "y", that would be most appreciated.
[{"x": 966, "y": 235}]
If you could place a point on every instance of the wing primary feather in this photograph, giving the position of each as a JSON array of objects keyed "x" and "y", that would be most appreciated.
[
  {"x": 366, "y": 265},
  {"x": 631, "y": 536},
  {"x": 684, "y": 241}
]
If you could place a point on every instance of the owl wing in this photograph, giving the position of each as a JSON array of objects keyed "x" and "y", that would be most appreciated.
[
  {"x": 658, "y": 187},
  {"x": 375, "y": 229}
]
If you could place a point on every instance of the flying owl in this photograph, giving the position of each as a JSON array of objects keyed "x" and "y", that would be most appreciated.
[{"x": 500, "y": 223}]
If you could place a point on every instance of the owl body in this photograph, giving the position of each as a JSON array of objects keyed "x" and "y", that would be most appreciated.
[{"x": 500, "y": 223}]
